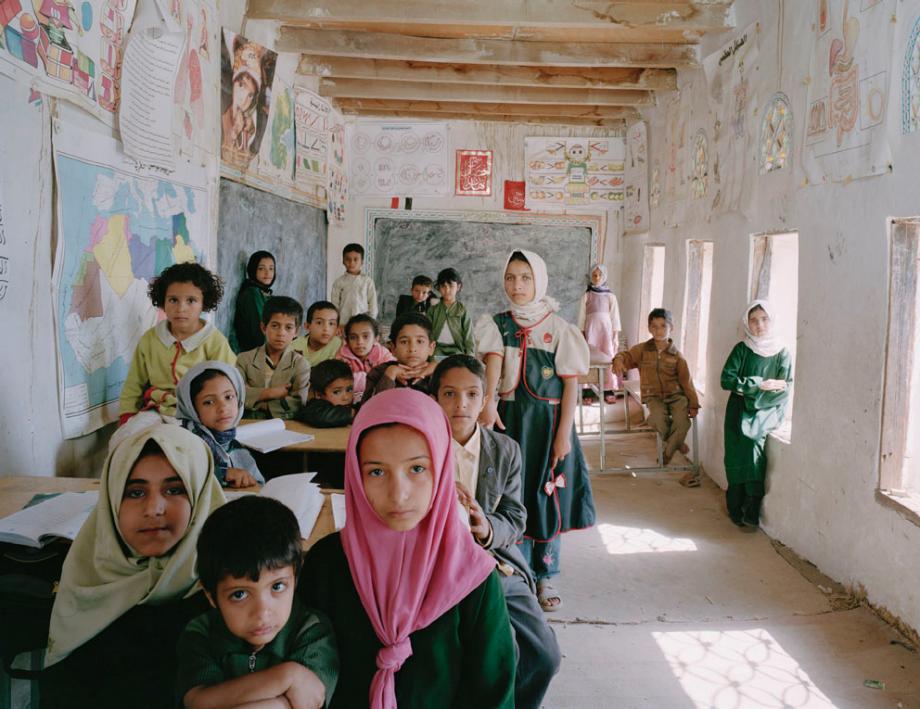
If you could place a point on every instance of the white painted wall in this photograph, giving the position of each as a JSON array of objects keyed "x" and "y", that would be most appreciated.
[{"x": 821, "y": 485}]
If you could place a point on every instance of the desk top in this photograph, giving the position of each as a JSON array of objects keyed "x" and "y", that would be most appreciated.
[
  {"x": 17, "y": 490},
  {"x": 325, "y": 440}
]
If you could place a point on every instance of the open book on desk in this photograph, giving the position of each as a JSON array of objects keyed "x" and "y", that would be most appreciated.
[
  {"x": 60, "y": 516},
  {"x": 270, "y": 435}
]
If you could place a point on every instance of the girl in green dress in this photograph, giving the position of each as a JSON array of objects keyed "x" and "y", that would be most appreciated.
[
  {"x": 758, "y": 373},
  {"x": 256, "y": 289}
]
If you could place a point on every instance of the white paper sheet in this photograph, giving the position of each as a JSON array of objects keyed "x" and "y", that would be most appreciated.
[
  {"x": 302, "y": 496},
  {"x": 338, "y": 510},
  {"x": 60, "y": 516},
  {"x": 270, "y": 435}
]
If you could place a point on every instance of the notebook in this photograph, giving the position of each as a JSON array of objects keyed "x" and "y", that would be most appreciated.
[
  {"x": 269, "y": 435},
  {"x": 60, "y": 516}
]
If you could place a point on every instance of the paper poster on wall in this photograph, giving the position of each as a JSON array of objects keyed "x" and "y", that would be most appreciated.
[
  {"x": 312, "y": 121},
  {"x": 71, "y": 50},
  {"x": 844, "y": 136},
  {"x": 277, "y": 152},
  {"x": 247, "y": 71},
  {"x": 119, "y": 224},
  {"x": 337, "y": 184},
  {"x": 733, "y": 83},
  {"x": 566, "y": 173},
  {"x": 193, "y": 104},
  {"x": 910, "y": 81},
  {"x": 636, "y": 176},
  {"x": 398, "y": 158},
  {"x": 474, "y": 173},
  {"x": 515, "y": 191}
]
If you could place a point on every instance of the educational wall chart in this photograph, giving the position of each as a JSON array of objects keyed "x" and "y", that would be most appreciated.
[
  {"x": 247, "y": 71},
  {"x": 119, "y": 225},
  {"x": 566, "y": 173},
  {"x": 337, "y": 184},
  {"x": 277, "y": 151},
  {"x": 636, "y": 176},
  {"x": 192, "y": 103},
  {"x": 71, "y": 50},
  {"x": 733, "y": 83},
  {"x": 398, "y": 159},
  {"x": 312, "y": 122},
  {"x": 844, "y": 136},
  {"x": 910, "y": 81}
]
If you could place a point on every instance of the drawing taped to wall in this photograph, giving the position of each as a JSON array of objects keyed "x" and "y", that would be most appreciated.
[
  {"x": 845, "y": 135},
  {"x": 910, "y": 82},
  {"x": 775, "y": 134},
  {"x": 636, "y": 176},
  {"x": 474, "y": 173},
  {"x": 191, "y": 101},
  {"x": 398, "y": 158},
  {"x": 277, "y": 150},
  {"x": 567, "y": 173}
]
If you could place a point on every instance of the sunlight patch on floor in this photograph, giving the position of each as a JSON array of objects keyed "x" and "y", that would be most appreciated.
[{"x": 635, "y": 540}]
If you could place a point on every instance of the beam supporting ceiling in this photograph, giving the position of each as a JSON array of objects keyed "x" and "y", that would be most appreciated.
[
  {"x": 539, "y": 120},
  {"x": 474, "y": 110}
]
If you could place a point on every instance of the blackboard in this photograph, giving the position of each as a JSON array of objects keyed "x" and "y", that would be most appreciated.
[
  {"x": 404, "y": 244},
  {"x": 295, "y": 233}
]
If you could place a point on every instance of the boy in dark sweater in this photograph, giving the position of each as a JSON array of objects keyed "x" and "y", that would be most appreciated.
[{"x": 332, "y": 385}]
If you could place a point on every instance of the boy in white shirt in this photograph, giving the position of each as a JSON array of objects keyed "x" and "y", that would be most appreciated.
[{"x": 353, "y": 292}]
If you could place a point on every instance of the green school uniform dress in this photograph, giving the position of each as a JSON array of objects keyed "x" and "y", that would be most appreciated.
[
  {"x": 246, "y": 333},
  {"x": 751, "y": 414},
  {"x": 465, "y": 658},
  {"x": 208, "y": 653},
  {"x": 457, "y": 320}
]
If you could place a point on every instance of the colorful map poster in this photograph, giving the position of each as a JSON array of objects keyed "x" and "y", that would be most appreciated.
[
  {"x": 845, "y": 134},
  {"x": 566, "y": 173},
  {"x": 119, "y": 224},
  {"x": 70, "y": 49}
]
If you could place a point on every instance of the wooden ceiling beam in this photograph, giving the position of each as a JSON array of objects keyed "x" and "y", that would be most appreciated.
[
  {"x": 536, "y": 20},
  {"x": 472, "y": 110},
  {"x": 482, "y": 51},
  {"x": 420, "y": 91},
  {"x": 618, "y": 123},
  {"x": 494, "y": 75}
]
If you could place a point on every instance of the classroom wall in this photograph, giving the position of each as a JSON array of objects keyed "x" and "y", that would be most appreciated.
[{"x": 821, "y": 484}]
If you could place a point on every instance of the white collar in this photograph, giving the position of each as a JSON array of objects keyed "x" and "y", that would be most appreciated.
[
  {"x": 472, "y": 446},
  {"x": 189, "y": 343}
]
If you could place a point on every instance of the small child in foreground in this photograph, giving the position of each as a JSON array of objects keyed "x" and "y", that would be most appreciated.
[
  {"x": 167, "y": 350},
  {"x": 362, "y": 350},
  {"x": 419, "y": 300},
  {"x": 258, "y": 643},
  {"x": 209, "y": 397},
  {"x": 321, "y": 341},
  {"x": 413, "y": 347},
  {"x": 353, "y": 292},
  {"x": 277, "y": 377},
  {"x": 666, "y": 384},
  {"x": 332, "y": 384}
]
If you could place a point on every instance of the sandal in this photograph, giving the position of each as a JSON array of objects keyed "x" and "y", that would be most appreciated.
[
  {"x": 690, "y": 480},
  {"x": 548, "y": 597}
]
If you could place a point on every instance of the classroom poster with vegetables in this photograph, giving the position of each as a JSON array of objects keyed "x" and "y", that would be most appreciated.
[{"x": 572, "y": 173}]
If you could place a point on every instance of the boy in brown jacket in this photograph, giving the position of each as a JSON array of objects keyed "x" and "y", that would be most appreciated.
[{"x": 664, "y": 378}]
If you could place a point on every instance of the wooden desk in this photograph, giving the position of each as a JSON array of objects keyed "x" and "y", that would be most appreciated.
[
  {"x": 325, "y": 440},
  {"x": 17, "y": 490}
]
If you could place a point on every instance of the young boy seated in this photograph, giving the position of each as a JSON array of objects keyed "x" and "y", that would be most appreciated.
[
  {"x": 321, "y": 341},
  {"x": 413, "y": 348},
  {"x": 354, "y": 292},
  {"x": 277, "y": 378},
  {"x": 362, "y": 350},
  {"x": 488, "y": 476},
  {"x": 419, "y": 300},
  {"x": 332, "y": 386},
  {"x": 257, "y": 644},
  {"x": 665, "y": 382}
]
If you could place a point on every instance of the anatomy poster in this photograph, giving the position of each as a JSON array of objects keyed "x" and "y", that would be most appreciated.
[
  {"x": 574, "y": 172},
  {"x": 636, "y": 175},
  {"x": 474, "y": 173},
  {"x": 733, "y": 83},
  {"x": 848, "y": 92},
  {"x": 193, "y": 104},
  {"x": 395, "y": 159},
  {"x": 72, "y": 50}
]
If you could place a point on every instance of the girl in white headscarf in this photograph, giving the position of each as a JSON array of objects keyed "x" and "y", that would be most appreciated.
[
  {"x": 533, "y": 359},
  {"x": 758, "y": 373},
  {"x": 599, "y": 320},
  {"x": 128, "y": 585}
]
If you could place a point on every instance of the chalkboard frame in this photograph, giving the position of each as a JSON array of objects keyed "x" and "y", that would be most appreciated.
[{"x": 595, "y": 222}]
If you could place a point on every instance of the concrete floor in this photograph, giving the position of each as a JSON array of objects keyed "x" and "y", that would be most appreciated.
[{"x": 668, "y": 604}]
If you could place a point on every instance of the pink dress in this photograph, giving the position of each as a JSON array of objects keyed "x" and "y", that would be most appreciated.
[{"x": 601, "y": 319}]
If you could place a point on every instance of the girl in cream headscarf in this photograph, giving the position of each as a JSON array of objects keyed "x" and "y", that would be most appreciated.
[
  {"x": 534, "y": 358},
  {"x": 758, "y": 373},
  {"x": 128, "y": 586}
]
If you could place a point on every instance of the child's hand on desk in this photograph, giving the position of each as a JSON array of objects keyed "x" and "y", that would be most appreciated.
[
  {"x": 306, "y": 690},
  {"x": 489, "y": 417},
  {"x": 562, "y": 446},
  {"x": 237, "y": 477}
]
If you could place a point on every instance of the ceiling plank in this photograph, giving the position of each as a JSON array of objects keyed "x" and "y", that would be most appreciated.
[
  {"x": 617, "y": 123},
  {"x": 474, "y": 109},
  {"x": 494, "y": 75},
  {"x": 535, "y": 20},
  {"x": 420, "y": 91},
  {"x": 482, "y": 51}
]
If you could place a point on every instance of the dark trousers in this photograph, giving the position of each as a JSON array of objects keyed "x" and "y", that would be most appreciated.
[
  {"x": 743, "y": 501},
  {"x": 537, "y": 649}
]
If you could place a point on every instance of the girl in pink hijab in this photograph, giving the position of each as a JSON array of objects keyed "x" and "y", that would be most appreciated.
[{"x": 417, "y": 607}]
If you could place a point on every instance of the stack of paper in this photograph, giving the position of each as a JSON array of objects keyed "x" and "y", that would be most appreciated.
[{"x": 269, "y": 435}]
